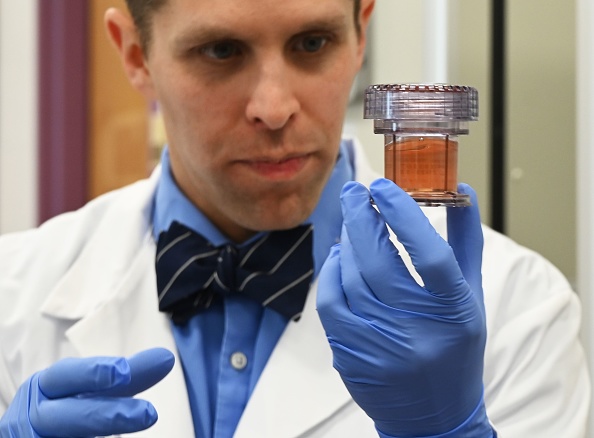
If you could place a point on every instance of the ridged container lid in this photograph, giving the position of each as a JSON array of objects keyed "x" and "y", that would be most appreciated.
[{"x": 421, "y": 102}]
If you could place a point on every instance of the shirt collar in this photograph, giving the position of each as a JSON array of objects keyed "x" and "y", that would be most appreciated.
[{"x": 172, "y": 205}]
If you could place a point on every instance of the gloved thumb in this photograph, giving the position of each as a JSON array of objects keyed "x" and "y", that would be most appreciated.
[{"x": 465, "y": 236}]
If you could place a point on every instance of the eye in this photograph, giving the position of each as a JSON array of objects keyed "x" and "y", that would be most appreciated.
[
  {"x": 221, "y": 50},
  {"x": 312, "y": 43}
]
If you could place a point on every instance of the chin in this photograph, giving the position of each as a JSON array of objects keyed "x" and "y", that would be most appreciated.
[
  {"x": 279, "y": 221},
  {"x": 275, "y": 211},
  {"x": 274, "y": 225}
]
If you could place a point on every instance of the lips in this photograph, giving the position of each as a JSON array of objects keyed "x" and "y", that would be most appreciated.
[{"x": 278, "y": 169}]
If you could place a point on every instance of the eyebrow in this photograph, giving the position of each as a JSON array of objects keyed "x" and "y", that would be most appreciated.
[
  {"x": 200, "y": 35},
  {"x": 337, "y": 23}
]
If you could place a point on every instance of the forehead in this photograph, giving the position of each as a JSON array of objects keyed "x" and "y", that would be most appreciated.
[
  {"x": 184, "y": 17},
  {"x": 229, "y": 7}
]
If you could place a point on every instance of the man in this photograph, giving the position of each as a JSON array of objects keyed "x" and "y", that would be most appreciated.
[{"x": 253, "y": 94}]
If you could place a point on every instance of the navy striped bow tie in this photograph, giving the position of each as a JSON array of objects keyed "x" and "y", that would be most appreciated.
[{"x": 275, "y": 270}]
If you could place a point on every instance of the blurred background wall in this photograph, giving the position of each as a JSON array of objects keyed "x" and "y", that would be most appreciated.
[{"x": 18, "y": 114}]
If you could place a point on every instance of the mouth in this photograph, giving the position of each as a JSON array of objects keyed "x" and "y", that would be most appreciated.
[{"x": 285, "y": 168}]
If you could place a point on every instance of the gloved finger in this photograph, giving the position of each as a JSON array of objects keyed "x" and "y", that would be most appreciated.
[
  {"x": 332, "y": 306},
  {"x": 15, "y": 423},
  {"x": 379, "y": 304},
  {"x": 146, "y": 369},
  {"x": 86, "y": 417},
  {"x": 72, "y": 376},
  {"x": 465, "y": 236},
  {"x": 368, "y": 252},
  {"x": 106, "y": 376},
  {"x": 342, "y": 327},
  {"x": 430, "y": 254}
]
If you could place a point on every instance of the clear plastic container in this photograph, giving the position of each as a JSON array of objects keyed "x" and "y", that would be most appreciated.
[{"x": 421, "y": 124}]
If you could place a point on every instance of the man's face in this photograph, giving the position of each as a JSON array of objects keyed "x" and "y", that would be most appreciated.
[{"x": 253, "y": 95}]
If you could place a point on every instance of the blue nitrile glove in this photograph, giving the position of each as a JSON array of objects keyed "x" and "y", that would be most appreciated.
[
  {"x": 411, "y": 356},
  {"x": 87, "y": 397}
]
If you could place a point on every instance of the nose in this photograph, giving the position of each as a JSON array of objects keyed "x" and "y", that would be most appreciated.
[{"x": 273, "y": 102}]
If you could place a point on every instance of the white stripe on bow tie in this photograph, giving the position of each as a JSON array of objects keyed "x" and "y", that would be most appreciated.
[
  {"x": 183, "y": 268},
  {"x": 280, "y": 262}
]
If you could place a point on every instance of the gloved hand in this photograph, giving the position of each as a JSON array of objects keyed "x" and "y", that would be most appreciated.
[
  {"x": 87, "y": 397},
  {"x": 410, "y": 355}
]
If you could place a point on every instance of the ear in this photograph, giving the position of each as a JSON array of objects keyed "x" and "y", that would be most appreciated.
[
  {"x": 364, "y": 19},
  {"x": 126, "y": 40}
]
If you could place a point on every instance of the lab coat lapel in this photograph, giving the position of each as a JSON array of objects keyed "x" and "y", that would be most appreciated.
[
  {"x": 130, "y": 322},
  {"x": 299, "y": 388},
  {"x": 115, "y": 230},
  {"x": 110, "y": 291}
]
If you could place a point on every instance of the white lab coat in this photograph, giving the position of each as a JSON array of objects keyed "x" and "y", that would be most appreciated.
[{"x": 83, "y": 284}]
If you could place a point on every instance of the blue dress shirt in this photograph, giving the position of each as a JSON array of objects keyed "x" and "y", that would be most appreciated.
[{"x": 223, "y": 350}]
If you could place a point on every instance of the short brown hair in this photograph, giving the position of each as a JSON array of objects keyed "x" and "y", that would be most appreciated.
[{"x": 142, "y": 12}]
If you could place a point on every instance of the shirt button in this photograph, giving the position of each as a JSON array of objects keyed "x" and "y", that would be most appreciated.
[{"x": 238, "y": 360}]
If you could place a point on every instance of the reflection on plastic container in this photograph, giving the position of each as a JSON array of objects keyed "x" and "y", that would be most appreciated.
[{"x": 421, "y": 124}]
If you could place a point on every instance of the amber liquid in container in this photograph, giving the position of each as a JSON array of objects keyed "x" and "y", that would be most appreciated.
[
  {"x": 421, "y": 124},
  {"x": 424, "y": 166}
]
